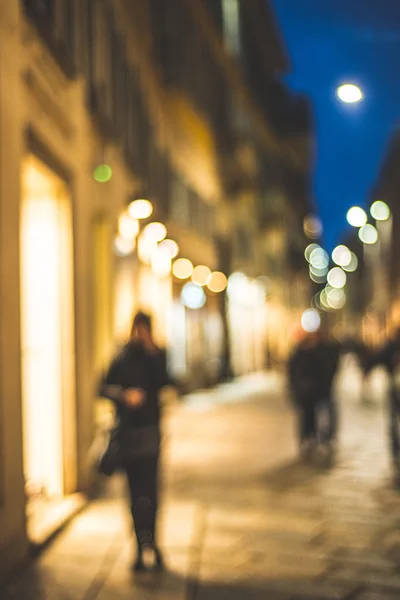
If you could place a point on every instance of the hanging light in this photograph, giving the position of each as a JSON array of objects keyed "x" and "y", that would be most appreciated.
[
  {"x": 102, "y": 173},
  {"x": 201, "y": 275},
  {"x": 140, "y": 209},
  {"x": 217, "y": 282},
  {"x": 182, "y": 268},
  {"x": 155, "y": 232},
  {"x": 160, "y": 264},
  {"x": 128, "y": 227},
  {"x": 169, "y": 247},
  {"x": 124, "y": 246}
]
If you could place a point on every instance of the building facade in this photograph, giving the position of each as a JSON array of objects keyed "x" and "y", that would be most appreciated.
[{"x": 99, "y": 106}]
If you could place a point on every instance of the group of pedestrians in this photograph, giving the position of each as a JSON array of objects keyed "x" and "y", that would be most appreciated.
[
  {"x": 312, "y": 369},
  {"x": 139, "y": 372}
]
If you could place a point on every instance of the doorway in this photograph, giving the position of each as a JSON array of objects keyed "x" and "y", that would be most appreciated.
[{"x": 47, "y": 343}]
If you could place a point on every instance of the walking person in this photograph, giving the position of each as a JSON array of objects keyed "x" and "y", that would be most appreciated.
[
  {"x": 133, "y": 383},
  {"x": 389, "y": 358},
  {"x": 328, "y": 359},
  {"x": 305, "y": 387}
]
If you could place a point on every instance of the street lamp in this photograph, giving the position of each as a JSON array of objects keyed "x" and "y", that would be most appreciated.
[
  {"x": 349, "y": 93},
  {"x": 357, "y": 217}
]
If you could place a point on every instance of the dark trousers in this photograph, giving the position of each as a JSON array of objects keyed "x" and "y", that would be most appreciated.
[
  {"x": 394, "y": 421},
  {"x": 142, "y": 477},
  {"x": 318, "y": 419},
  {"x": 327, "y": 409},
  {"x": 307, "y": 421}
]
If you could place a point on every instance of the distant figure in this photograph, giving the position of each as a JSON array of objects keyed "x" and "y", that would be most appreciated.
[
  {"x": 389, "y": 358},
  {"x": 312, "y": 369},
  {"x": 133, "y": 382}
]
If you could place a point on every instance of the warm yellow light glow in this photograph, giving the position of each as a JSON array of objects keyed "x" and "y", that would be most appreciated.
[
  {"x": 161, "y": 264},
  {"x": 349, "y": 93},
  {"x": 217, "y": 282},
  {"x": 380, "y": 211},
  {"x": 124, "y": 246},
  {"x": 337, "y": 278},
  {"x": 155, "y": 232},
  {"x": 140, "y": 209},
  {"x": 313, "y": 227},
  {"x": 201, "y": 275},
  {"x": 47, "y": 325},
  {"x": 146, "y": 249},
  {"x": 182, "y": 268},
  {"x": 356, "y": 216},
  {"x": 128, "y": 228},
  {"x": 341, "y": 256},
  {"x": 169, "y": 247},
  {"x": 368, "y": 234},
  {"x": 350, "y": 268}
]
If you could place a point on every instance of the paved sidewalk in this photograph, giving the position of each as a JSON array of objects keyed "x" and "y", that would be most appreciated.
[{"x": 242, "y": 518}]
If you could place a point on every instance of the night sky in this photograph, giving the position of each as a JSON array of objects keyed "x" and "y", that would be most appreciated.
[{"x": 334, "y": 41}]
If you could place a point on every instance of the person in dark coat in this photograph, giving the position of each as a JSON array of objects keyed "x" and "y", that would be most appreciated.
[
  {"x": 389, "y": 358},
  {"x": 312, "y": 370},
  {"x": 133, "y": 383},
  {"x": 304, "y": 384}
]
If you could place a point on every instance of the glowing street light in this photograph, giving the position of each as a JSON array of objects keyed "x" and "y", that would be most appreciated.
[
  {"x": 380, "y": 211},
  {"x": 368, "y": 234},
  {"x": 357, "y": 217},
  {"x": 337, "y": 278},
  {"x": 341, "y": 256},
  {"x": 140, "y": 209},
  {"x": 349, "y": 93},
  {"x": 311, "y": 321},
  {"x": 352, "y": 266}
]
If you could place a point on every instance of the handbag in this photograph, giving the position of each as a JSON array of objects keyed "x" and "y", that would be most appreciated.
[{"x": 112, "y": 458}]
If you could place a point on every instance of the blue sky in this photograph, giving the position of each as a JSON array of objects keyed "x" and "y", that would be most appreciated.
[{"x": 330, "y": 42}]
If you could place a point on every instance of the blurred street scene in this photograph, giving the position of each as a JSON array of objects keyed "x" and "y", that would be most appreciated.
[{"x": 242, "y": 517}]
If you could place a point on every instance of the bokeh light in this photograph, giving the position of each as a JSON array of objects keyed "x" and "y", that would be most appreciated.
[
  {"x": 309, "y": 250},
  {"x": 336, "y": 298},
  {"x": 349, "y": 93},
  {"x": 124, "y": 246},
  {"x": 146, "y": 249},
  {"x": 319, "y": 258},
  {"x": 217, "y": 282},
  {"x": 357, "y": 217},
  {"x": 201, "y": 275},
  {"x": 368, "y": 234},
  {"x": 313, "y": 227},
  {"x": 102, "y": 173},
  {"x": 350, "y": 268},
  {"x": 182, "y": 268},
  {"x": 341, "y": 256},
  {"x": 155, "y": 232},
  {"x": 311, "y": 320},
  {"x": 380, "y": 211},
  {"x": 337, "y": 278},
  {"x": 169, "y": 247},
  {"x": 238, "y": 287},
  {"x": 140, "y": 209},
  {"x": 193, "y": 296},
  {"x": 128, "y": 227},
  {"x": 160, "y": 263}
]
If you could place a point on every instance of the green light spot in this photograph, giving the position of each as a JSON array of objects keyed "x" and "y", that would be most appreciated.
[{"x": 102, "y": 173}]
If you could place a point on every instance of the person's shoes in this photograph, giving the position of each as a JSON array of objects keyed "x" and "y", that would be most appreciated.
[
  {"x": 159, "y": 560},
  {"x": 307, "y": 449},
  {"x": 149, "y": 560}
]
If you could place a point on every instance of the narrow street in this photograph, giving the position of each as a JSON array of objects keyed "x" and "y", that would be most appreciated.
[{"x": 242, "y": 518}]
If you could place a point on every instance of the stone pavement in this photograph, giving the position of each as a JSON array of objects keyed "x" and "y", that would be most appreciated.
[{"x": 242, "y": 518}]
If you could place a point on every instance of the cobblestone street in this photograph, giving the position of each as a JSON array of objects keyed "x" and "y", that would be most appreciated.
[{"x": 242, "y": 518}]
